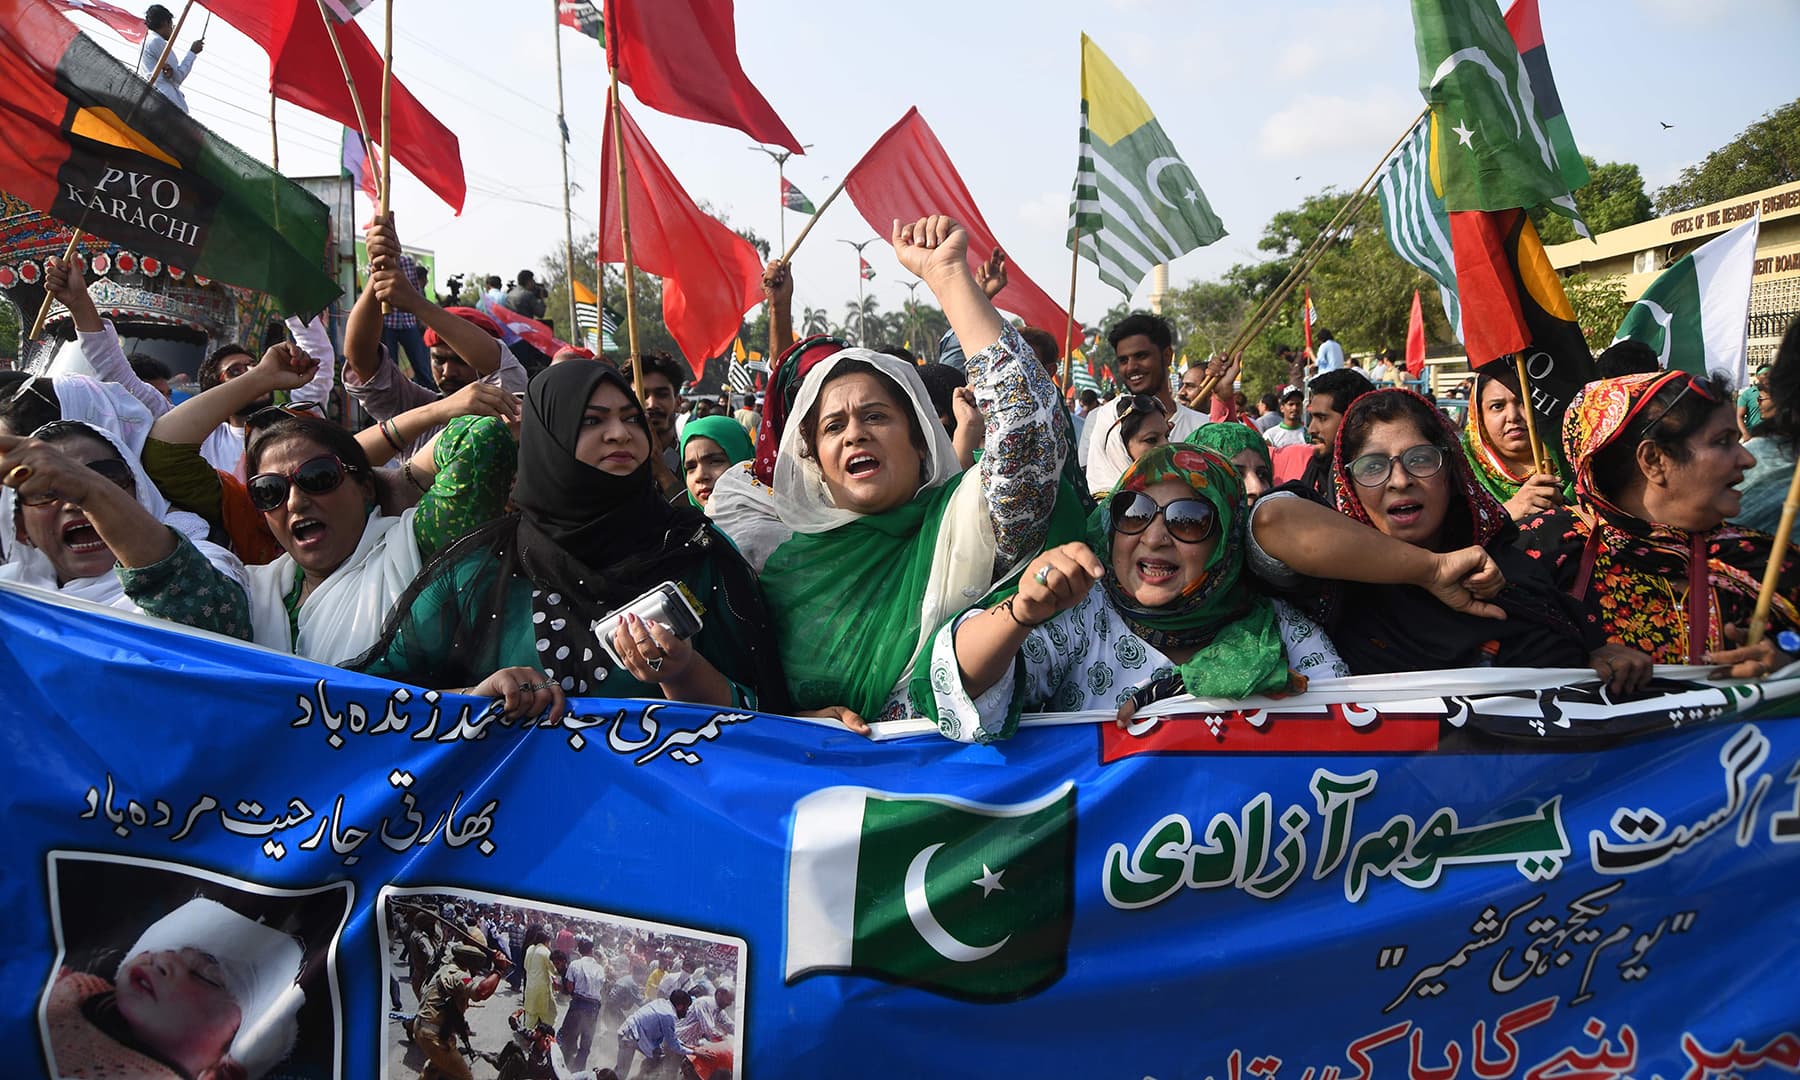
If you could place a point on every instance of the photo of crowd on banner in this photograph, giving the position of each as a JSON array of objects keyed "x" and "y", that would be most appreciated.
[
  {"x": 164, "y": 970},
  {"x": 551, "y": 993}
]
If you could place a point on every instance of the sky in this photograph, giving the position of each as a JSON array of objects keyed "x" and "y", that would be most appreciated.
[{"x": 1267, "y": 102}]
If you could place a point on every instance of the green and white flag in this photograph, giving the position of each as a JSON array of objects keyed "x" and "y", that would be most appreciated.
[
  {"x": 1414, "y": 218},
  {"x": 1697, "y": 312},
  {"x": 1136, "y": 202},
  {"x": 967, "y": 900}
]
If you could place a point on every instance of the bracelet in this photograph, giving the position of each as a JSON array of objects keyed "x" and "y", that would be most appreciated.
[
  {"x": 1008, "y": 605},
  {"x": 406, "y": 470},
  {"x": 392, "y": 435}
]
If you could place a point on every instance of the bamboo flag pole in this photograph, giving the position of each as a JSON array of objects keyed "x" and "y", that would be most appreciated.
[
  {"x": 274, "y": 137},
  {"x": 387, "y": 97},
  {"x": 631, "y": 330},
  {"x": 1539, "y": 457},
  {"x": 814, "y": 220},
  {"x": 562, "y": 135},
  {"x": 1784, "y": 534},
  {"x": 362, "y": 121},
  {"x": 37, "y": 324},
  {"x": 1069, "y": 332}
]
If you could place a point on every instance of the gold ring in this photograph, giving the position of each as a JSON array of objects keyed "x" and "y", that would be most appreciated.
[{"x": 18, "y": 474}]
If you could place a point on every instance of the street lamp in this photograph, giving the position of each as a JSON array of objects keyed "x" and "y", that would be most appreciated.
[
  {"x": 862, "y": 330},
  {"x": 912, "y": 314},
  {"x": 780, "y": 158}
]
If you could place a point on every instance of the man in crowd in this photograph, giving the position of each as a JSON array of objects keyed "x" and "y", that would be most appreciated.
[
  {"x": 587, "y": 989},
  {"x": 650, "y": 1031},
  {"x": 1288, "y": 432},
  {"x": 1143, "y": 346},
  {"x": 401, "y": 332},
  {"x": 1332, "y": 393},
  {"x": 1749, "y": 412},
  {"x": 495, "y": 294},
  {"x": 465, "y": 347},
  {"x": 524, "y": 298},
  {"x": 663, "y": 376},
  {"x": 153, "y": 372},
  {"x": 161, "y": 24},
  {"x": 1329, "y": 355},
  {"x": 1268, "y": 412}
]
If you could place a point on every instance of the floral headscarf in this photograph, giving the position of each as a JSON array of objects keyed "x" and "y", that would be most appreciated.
[
  {"x": 1598, "y": 415},
  {"x": 1486, "y": 516},
  {"x": 1240, "y": 650}
]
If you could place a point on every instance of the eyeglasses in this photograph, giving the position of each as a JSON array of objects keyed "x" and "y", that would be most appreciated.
[
  {"x": 1420, "y": 462},
  {"x": 1137, "y": 403},
  {"x": 270, "y": 413},
  {"x": 111, "y": 468},
  {"x": 315, "y": 476},
  {"x": 1188, "y": 520}
]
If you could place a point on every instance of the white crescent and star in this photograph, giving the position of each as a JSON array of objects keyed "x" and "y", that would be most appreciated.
[
  {"x": 1662, "y": 318},
  {"x": 1152, "y": 177},
  {"x": 918, "y": 909}
]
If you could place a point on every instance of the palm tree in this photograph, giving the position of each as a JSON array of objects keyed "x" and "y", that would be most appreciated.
[
  {"x": 815, "y": 321},
  {"x": 866, "y": 316}
]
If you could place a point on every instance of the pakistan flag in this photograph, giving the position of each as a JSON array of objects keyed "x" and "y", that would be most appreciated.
[
  {"x": 1136, "y": 202},
  {"x": 967, "y": 900},
  {"x": 1696, "y": 313}
]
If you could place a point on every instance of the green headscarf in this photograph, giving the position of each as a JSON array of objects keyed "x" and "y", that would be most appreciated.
[
  {"x": 1240, "y": 651},
  {"x": 1230, "y": 439},
  {"x": 727, "y": 432}
]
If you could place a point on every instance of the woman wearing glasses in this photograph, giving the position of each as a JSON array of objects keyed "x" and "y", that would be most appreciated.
[
  {"x": 1174, "y": 612},
  {"x": 89, "y": 524},
  {"x": 1415, "y": 571},
  {"x": 1646, "y": 547}
]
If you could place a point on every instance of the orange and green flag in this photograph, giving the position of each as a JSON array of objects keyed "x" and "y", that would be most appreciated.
[{"x": 85, "y": 140}]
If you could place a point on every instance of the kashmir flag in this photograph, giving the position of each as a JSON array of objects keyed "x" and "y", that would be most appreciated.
[
  {"x": 1081, "y": 373},
  {"x": 793, "y": 198},
  {"x": 124, "y": 23},
  {"x": 1513, "y": 302},
  {"x": 738, "y": 375},
  {"x": 85, "y": 140},
  {"x": 867, "y": 271},
  {"x": 1136, "y": 203},
  {"x": 1415, "y": 339},
  {"x": 583, "y": 16},
  {"x": 587, "y": 314},
  {"x": 963, "y": 899},
  {"x": 1489, "y": 146},
  {"x": 1697, "y": 312},
  {"x": 355, "y": 164},
  {"x": 610, "y": 321},
  {"x": 1414, "y": 218}
]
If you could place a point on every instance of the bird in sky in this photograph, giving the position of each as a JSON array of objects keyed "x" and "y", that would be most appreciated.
[{"x": 1665, "y": 126}]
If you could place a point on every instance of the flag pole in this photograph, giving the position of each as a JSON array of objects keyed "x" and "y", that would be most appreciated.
[
  {"x": 274, "y": 136},
  {"x": 1069, "y": 332},
  {"x": 387, "y": 96},
  {"x": 788, "y": 255},
  {"x": 362, "y": 122},
  {"x": 37, "y": 324},
  {"x": 562, "y": 125},
  {"x": 1539, "y": 456},
  {"x": 631, "y": 331},
  {"x": 1784, "y": 532}
]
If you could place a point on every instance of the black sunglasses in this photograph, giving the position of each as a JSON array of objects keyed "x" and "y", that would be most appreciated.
[
  {"x": 1138, "y": 403},
  {"x": 1188, "y": 520},
  {"x": 271, "y": 413},
  {"x": 315, "y": 476},
  {"x": 1420, "y": 462}
]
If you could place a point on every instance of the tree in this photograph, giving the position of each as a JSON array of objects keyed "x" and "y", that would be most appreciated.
[
  {"x": 1612, "y": 198},
  {"x": 1599, "y": 304},
  {"x": 815, "y": 321},
  {"x": 653, "y": 335},
  {"x": 1763, "y": 155},
  {"x": 863, "y": 318},
  {"x": 1208, "y": 313},
  {"x": 9, "y": 329}
]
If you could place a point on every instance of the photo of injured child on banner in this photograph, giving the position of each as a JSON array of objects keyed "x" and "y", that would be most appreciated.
[
  {"x": 167, "y": 971},
  {"x": 485, "y": 985}
]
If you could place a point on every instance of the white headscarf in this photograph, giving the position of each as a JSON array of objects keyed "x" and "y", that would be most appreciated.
[
  {"x": 260, "y": 967},
  {"x": 26, "y": 565},
  {"x": 343, "y": 615}
]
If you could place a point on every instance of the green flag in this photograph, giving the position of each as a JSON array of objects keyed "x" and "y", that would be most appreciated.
[
  {"x": 1136, "y": 203},
  {"x": 1696, "y": 313},
  {"x": 963, "y": 899},
  {"x": 1489, "y": 146}
]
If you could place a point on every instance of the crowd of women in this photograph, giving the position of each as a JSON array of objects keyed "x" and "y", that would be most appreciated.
[{"x": 843, "y": 556}]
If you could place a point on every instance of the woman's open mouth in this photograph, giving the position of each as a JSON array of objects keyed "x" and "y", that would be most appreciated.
[
  {"x": 862, "y": 466},
  {"x": 141, "y": 982},
  {"x": 308, "y": 532},
  {"x": 1405, "y": 513},
  {"x": 80, "y": 537},
  {"x": 1156, "y": 571}
]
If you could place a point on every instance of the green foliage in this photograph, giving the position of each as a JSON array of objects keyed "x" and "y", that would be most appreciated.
[
  {"x": 1763, "y": 155},
  {"x": 1612, "y": 199},
  {"x": 1599, "y": 304},
  {"x": 653, "y": 335},
  {"x": 9, "y": 329}
]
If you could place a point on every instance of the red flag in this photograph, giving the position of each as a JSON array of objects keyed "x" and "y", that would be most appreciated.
[
  {"x": 124, "y": 23},
  {"x": 680, "y": 57},
  {"x": 1306, "y": 317},
  {"x": 711, "y": 275},
  {"x": 304, "y": 70},
  {"x": 1415, "y": 339},
  {"x": 534, "y": 333},
  {"x": 907, "y": 175}
]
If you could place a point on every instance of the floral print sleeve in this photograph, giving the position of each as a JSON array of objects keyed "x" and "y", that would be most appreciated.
[
  {"x": 1023, "y": 451},
  {"x": 476, "y": 459},
  {"x": 185, "y": 588}
]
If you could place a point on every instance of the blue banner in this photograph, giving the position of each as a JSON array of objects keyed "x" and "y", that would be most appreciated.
[{"x": 1535, "y": 883}]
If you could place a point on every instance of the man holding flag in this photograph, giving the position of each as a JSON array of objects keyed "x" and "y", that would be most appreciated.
[{"x": 161, "y": 25}]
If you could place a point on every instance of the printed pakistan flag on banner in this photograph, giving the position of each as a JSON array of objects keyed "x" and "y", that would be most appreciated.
[{"x": 963, "y": 899}]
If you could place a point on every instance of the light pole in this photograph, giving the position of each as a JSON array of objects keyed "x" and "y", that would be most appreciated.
[
  {"x": 862, "y": 330},
  {"x": 912, "y": 313},
  {"x": 780, "y": 158}
]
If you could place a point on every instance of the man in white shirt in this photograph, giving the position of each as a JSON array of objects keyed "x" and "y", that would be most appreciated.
[
  {"x": 1289, "y": 431},
  {"x": 1330, "y": 354},
  {"x": 587, "y": 989},
  {"x": 1143, "y": 346},
  {"x": 161, "y": 24}
]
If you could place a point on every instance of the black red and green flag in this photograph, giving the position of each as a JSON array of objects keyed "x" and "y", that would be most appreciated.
[
  {"x": 83, "y": 139},
  {"x": 583, "y": 16},
  {"x": 794, "y": 199},
  {"x": 1527, "y": 31}
]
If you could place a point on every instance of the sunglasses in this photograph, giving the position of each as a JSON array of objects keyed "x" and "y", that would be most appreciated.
[
  {"x": 1138, "y": 403},
  {"x": 270, "y": 413},
  {"x": 111, "y": 468},
  {"x": 315, "y": 476},
  {"x": 1188, "y": 520},
  {"x": 1694, "y": 385},
  {"x": 1420, "y": 462}
]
